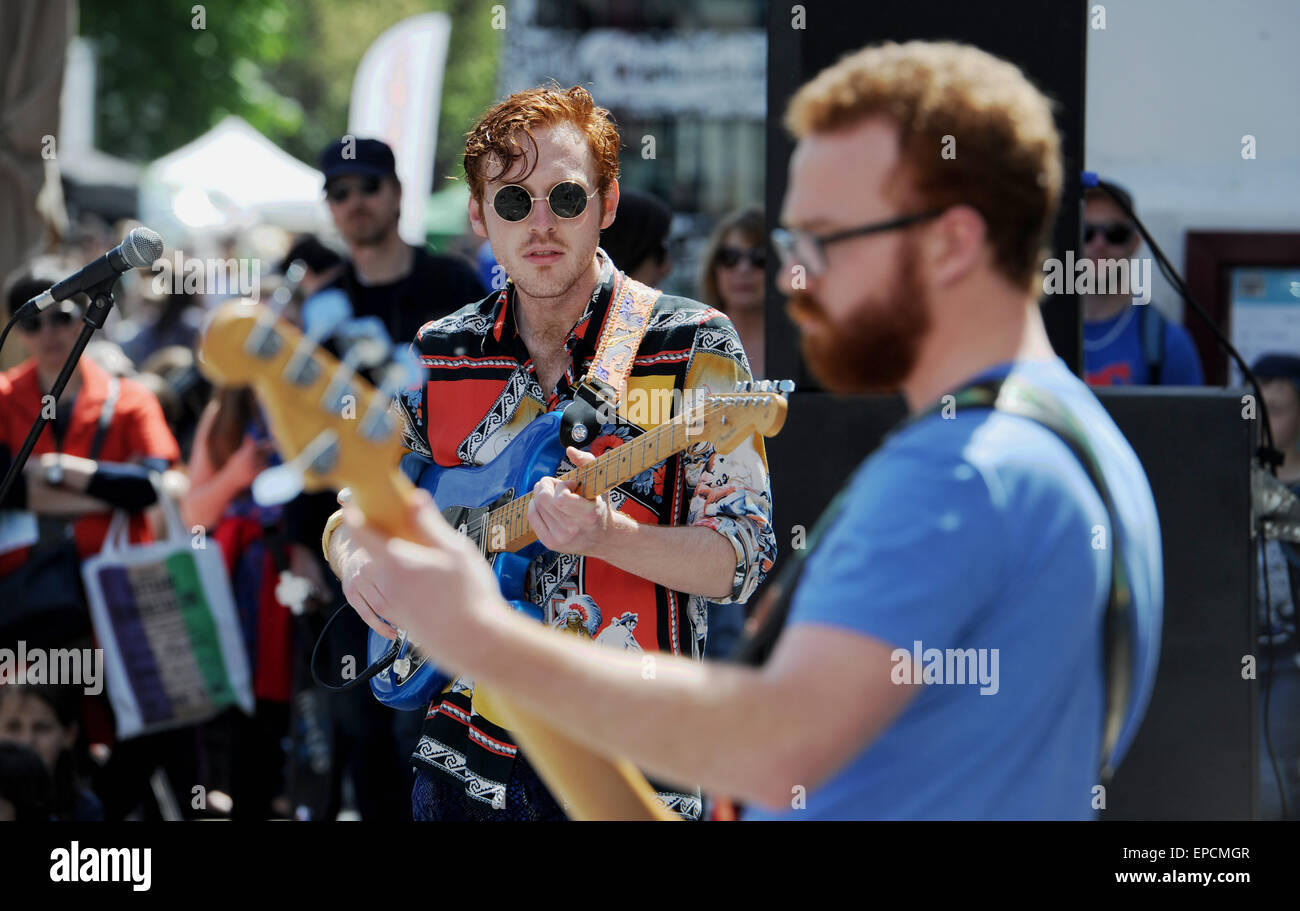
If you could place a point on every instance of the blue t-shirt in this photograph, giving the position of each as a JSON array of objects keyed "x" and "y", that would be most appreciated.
[
  {"x": 1113, "y": 352},
  {"x": 980, "y": 532}
]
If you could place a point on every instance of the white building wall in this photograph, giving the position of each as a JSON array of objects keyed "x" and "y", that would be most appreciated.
[{"x": 1172, "y": 87}]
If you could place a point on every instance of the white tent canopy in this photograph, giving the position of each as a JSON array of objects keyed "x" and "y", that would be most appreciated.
[{"x": 229, "y": 178}]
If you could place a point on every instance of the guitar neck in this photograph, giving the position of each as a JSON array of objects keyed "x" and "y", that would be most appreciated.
[{"x": 618, "y": 466}]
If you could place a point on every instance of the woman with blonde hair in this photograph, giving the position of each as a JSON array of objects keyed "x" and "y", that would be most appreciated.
[{"x": 734, "y": 279}]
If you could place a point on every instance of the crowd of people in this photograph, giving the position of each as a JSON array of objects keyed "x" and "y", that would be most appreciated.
[
  {"x": 139, "y": 421},
  {"x": 169, "y": 432}
]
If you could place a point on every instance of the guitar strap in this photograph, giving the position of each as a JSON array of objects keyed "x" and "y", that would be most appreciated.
[
  {"x": 605, "y": 382},
  {"x": 1013, "y": 397},
  {"x": 603, "y": 385}
]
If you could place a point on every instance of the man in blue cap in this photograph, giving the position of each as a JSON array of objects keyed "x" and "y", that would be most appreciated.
[{"x": 405, "y": 286}]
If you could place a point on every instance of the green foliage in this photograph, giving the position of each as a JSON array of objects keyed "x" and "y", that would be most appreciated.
[{"x": 285, "y": 66}]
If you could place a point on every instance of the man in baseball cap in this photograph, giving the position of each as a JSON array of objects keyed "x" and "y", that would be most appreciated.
[
  {"x": 405, "y": 286},
  {"x": 352, "y": 155}
]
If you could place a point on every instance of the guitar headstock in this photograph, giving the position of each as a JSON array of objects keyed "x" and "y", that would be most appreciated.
[
  {"x": 330, "y": 424},
  {"x": 727, "y": 420}
]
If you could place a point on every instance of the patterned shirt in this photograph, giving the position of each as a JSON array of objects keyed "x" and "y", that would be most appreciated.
[{"x": 480, "y": 388}]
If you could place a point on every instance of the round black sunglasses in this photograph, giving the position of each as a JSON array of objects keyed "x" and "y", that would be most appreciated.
[{"x": 567, "y": 199}]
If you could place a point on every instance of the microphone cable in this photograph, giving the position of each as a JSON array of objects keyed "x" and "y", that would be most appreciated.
[{"x": 1267, "y": 454}]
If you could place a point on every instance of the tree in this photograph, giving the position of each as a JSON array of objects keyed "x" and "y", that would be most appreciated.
[{"x": 285, "y": 67}]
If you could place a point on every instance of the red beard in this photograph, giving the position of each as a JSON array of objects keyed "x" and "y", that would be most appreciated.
[{"x": 876, "y": 346}]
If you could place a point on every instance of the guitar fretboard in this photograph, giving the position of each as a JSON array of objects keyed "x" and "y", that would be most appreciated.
[{"x": 610, "y": 470}]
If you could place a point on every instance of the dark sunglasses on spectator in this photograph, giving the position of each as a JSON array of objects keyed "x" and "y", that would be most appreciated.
[
  {"x": 59, "y": 319},
  {"x": 567, "y": 199},
  {"x": 1116, "y": 232},
  {"x": 730, "y": 257},
  {"x": 339, "y": 192}
]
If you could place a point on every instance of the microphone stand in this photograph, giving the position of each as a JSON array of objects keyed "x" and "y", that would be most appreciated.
[{"x": 101, "y": 301}]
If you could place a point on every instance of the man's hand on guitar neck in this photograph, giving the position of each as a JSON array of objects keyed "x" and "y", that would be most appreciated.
[{"x": 568, "y": 523}]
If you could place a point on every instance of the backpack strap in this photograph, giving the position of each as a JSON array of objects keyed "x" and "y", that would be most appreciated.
[{"x": 1151, "y": 327}]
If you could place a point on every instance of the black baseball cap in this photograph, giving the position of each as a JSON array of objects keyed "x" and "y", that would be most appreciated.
[
  {"x": 1278, "y": 366},
  {"x": 352, "y": 155}
]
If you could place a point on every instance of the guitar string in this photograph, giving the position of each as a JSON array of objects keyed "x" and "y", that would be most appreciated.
[{"x": 513, "y": 515}]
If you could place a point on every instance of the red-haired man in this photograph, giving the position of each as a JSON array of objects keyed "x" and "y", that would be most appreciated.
[
  {"x": 542, "y": 167},
  {"x": 971, "y": 553}
]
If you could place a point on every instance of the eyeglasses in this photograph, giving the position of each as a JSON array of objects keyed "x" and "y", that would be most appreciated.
[
  {"x": 340, "y": 191},
  {"x": 567, "y": 199},
  {"x": 1116, "y": 232},
  {"x": 799, "y": 247},
  {"x": 730, "y": 257},
  {"x": 58, "y": 319}
]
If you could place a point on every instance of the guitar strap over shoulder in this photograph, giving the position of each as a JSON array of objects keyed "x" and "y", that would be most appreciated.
[
  {"x": 626, "y": 320},
  {"x": 1013, "y": 397},
  {"x": 605, "y": 382}
]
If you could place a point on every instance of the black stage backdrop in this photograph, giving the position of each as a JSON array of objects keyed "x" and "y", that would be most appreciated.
[{"x": 1046, "y": 40}]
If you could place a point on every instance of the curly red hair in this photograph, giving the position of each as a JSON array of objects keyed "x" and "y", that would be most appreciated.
[{"x": 498, "y": 133}]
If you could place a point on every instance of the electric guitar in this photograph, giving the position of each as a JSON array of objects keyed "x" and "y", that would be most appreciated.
[
  {"x": 334, "y": 429},
  {"x": 487, "y": 505}
]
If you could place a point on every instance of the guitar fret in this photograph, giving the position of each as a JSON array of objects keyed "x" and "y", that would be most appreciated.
[{"x": 633, "y": 458}]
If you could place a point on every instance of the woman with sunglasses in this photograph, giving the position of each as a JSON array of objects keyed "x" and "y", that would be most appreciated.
[
  {"x": 62, "y": 479},
  {"x": 734, "y": 278},
  {"x": 79, "y": 472},
  {"x": 733, "y": 282}
]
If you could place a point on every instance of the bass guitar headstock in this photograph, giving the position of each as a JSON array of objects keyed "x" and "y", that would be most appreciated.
[{"x": 332, "y": 426}]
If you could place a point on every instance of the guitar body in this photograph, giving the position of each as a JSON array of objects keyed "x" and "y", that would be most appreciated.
[
  {"x": 465, "y": 494},
  {"x": 300, "y": 387}
]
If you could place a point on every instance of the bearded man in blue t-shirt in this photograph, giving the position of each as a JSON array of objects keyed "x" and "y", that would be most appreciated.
[{"x": 943, "y": 654}]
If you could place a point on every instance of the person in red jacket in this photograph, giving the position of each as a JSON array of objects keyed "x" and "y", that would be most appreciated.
[
  {"x": 80, "y": 472},
  {"x": 60, "y": 478}
]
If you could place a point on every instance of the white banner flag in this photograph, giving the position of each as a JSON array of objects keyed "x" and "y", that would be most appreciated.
[{"x": 395, "y": 97}]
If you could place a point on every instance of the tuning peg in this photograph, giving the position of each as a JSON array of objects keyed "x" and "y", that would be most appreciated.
[
  {"x": 742, "y": 385},
  {"x": 785, "y": 387},
  {"x": 403, "y": 372},
  {"x": 322, "y": 314},
  {"x": 283, "y": 294},
  {"x": 281, "y": 483},
  {"x": 294, "y": 274},
  {"x": 324, "y": 311},
  {"x": 365, "y": 342}
]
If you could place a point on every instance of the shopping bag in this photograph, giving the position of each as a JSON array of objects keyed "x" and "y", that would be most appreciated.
[{"x": 165, "y": 617}]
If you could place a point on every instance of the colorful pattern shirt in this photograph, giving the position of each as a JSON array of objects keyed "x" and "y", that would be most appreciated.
[{"x": 480, "y": 388}]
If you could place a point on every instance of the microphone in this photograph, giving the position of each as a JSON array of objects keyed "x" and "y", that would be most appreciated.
[{"x": 139, "y": 250}]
